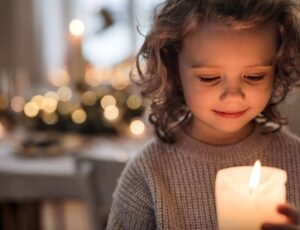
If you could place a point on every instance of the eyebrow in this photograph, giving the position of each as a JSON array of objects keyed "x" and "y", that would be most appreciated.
[{"x": 267, "y": 63}]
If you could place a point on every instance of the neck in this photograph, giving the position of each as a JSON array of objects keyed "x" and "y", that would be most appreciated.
[{"x": 216, "y": 137}]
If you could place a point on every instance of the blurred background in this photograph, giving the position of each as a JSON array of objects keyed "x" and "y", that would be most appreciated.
[{"x": 70, "y": 118}]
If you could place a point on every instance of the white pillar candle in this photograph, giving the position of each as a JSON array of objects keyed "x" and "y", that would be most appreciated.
[{"x": 247, "y": 197}]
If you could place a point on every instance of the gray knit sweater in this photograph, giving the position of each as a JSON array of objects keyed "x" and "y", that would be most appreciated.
[{"x": 171, "y": 186}]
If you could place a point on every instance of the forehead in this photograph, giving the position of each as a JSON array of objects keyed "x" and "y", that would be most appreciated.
[{"x": 213, "y": 44}]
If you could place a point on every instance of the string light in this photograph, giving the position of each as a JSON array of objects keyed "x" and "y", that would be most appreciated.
[
  {"x": 120, "y": 80},
  {"x": 79, "y": 116},
  {"x": 49, "y": 105},
  {"x": 108, "y": 100},
  {"x": 64, "y": 93},
  {"x": 17, "y": 104},
  {"x": 38, "y": 100},
  {"x": 92, "y": 77},
  {"x": 59, "y": 77},
  {"x": 31, "y": 109},
  {"x": 53, "y": 95},
  {"x": 111, "y": 112},
  {"x": 137, "y": 127},
  {"x": 89, "y": 98},
  {"x": 134, "y": 102}
]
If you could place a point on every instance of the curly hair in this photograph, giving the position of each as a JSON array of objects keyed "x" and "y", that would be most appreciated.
[{"x": 157, "y": 60}]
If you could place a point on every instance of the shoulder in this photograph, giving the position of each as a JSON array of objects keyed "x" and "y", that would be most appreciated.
[
  {"x": 151, "y": 159},
  {"x": 285, "y": 141},
  {"x": 147, "y": 160},
  {"x": 286, "y": 136}
]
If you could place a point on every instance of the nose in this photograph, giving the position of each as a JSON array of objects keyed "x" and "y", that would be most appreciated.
[{"x": 232, "y": 91}]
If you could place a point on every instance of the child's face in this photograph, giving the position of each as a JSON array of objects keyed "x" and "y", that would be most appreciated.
[{"x": 227, "y": 77}]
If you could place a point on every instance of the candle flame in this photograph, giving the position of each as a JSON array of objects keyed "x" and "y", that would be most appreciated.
[
  {"x": 76, "y": 27},
  {"x": 255, "y": 176}
]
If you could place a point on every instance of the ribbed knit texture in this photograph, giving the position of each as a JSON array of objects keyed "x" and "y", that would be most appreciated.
[{"x": 172, "y": 186}]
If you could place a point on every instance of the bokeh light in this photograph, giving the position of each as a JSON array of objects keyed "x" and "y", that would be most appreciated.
[
  {"x": 89, "y": 98},
  {"x": 108, "y": 100},
  {"x": 134, "y": 102},
  {"x": 92, "y": 77},
  {"x": 31, "y": 109},
  {"x": 76, "y": 27},
  {"x": 17, "y": 104},
  {"x": 50, "y": 118},
  {"x": 64, "y": 93},
  {"x": 120, "y": 80},
  {"x": 59, "y": 77},
  {"x": 38, "y": 100},
  {"x": 137, "y": 127},
  {"x": 49, "y": 105},
  {"x": 79, "y": 116},
  {"x": 111, "y": 112},
  {"x": 53, "y": 95}
]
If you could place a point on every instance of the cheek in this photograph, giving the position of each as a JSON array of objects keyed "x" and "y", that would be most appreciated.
[
  {"x": 199, "y": 98},
  {"x": 260, "y": 96}
]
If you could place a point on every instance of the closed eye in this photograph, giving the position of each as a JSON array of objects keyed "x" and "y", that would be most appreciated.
[
  {"x": 209, "y": 79},
  {"x": 254, "y": 78}
]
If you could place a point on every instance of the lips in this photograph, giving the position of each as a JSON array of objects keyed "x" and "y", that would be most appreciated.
[{"x": 230, "y": 114}]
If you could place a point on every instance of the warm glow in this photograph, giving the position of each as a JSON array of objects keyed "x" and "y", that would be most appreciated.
[
  {"x": 120, "y": 79},
  {"x": 92, "y": 77},
  {"x": 111, "y": 112},
  {"x": 38, "y": 100},
  {"x": 255, "y": 176},
  {"x": 76, "y": 27},
  {"x": 64, "y": 93},
  {"x": 65, "y": 108},
  {"x": 3, "y": 102},
  {"x": 2, "y": 130},
  {"x": 17, "y": 104},
  {"x": 89, "y": 98},
  {"x": 49, "y": 105},
  {"x": 31, "y": 109},
  {"x": 137, "y": 127},
  {"x": 134, "y": 102},
  {"x": 53, "y": 95},
  {"x": 108, "y": 100},
  {"x": 59, "y": 77},
  {"x": 79, "y": 116},
  {"x": 50, "y": 118}
]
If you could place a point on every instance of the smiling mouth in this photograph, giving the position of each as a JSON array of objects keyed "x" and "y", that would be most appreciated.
[{"x": 234, "y": 114}]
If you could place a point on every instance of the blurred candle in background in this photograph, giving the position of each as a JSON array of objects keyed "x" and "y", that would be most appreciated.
[
  {"x": 246, "y": 197},
  {"x": 2, "y": 130},
  {"x": 76, "y": 62}
]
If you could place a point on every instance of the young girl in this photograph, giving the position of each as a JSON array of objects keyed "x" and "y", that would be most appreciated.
[{"x": 215, "y": 71}]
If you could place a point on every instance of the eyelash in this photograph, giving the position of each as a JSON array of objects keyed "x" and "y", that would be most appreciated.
[
  {"x": 208, "y": 79},
  {"x": 254, "y": 78},
  {"x": 211, "y": 80}
]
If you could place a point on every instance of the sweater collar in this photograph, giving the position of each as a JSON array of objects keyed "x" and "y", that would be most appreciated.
[{"x": 250, "y": 146}]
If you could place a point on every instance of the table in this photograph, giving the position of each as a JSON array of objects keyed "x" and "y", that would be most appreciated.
[{"x": 58, "y": 177}]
